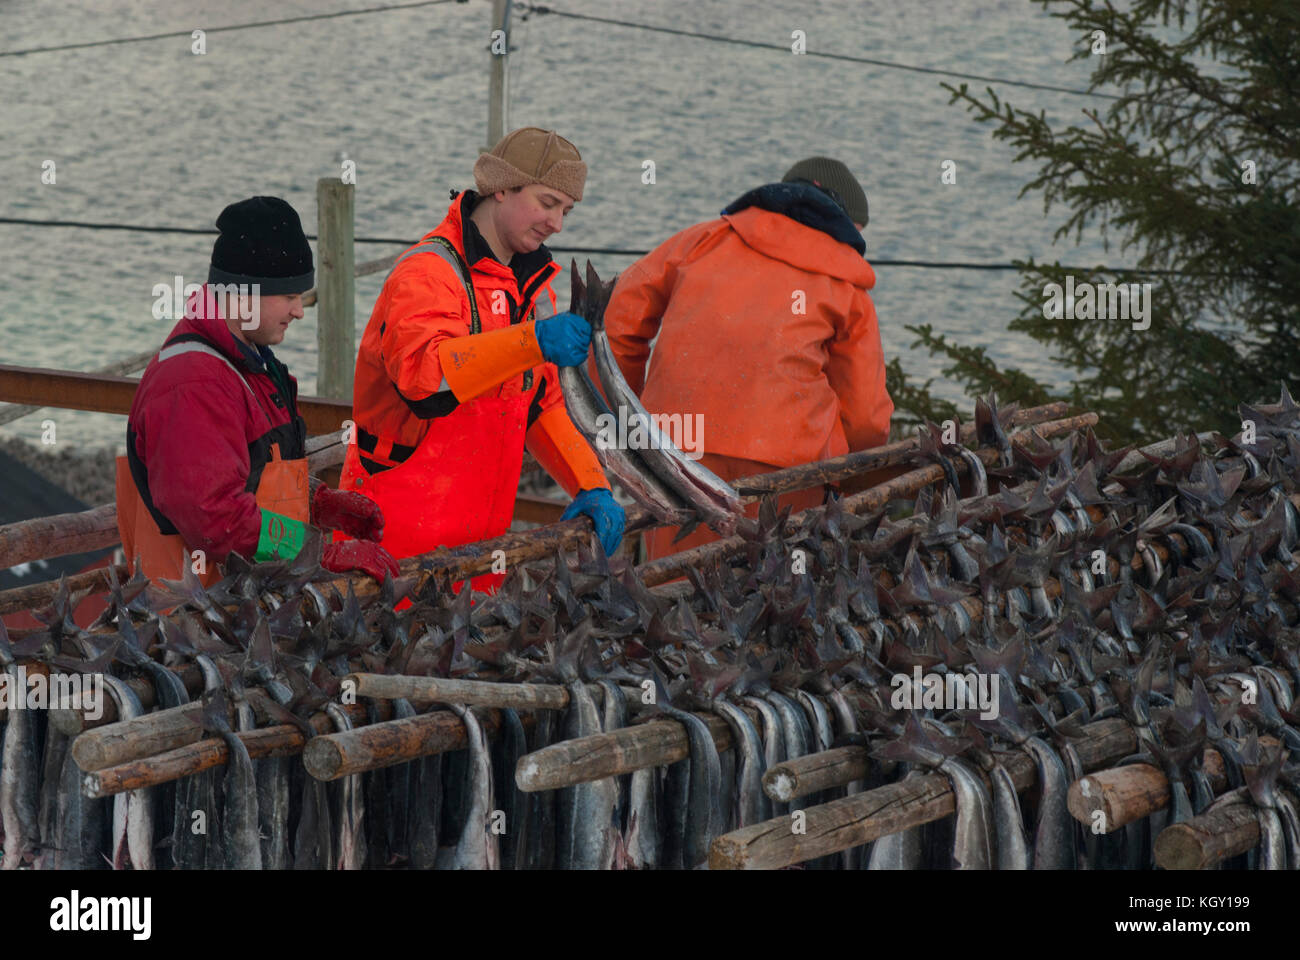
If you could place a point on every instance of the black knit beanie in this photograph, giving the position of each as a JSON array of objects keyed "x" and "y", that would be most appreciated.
[
  {"x": 833, "y": 178},
  {"x": 262, "y": 242}
]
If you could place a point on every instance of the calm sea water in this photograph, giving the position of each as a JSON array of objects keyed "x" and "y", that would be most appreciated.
[{"x": 150, "y": 133}]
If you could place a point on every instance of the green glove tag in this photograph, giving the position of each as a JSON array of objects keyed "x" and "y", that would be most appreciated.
[{"x": 280, "y": 537}]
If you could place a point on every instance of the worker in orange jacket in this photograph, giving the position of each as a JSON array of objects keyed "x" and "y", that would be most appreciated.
[
  {"x": 766, "y": 332},
  {"x": 457, "y": 369}
]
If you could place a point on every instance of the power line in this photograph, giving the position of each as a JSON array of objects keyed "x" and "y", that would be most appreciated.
[
  {"x": 588, "y": 251},
  {"x": 84, "y": 225},
  {"x": 226, "y": 29},
  {"x": 541, "y": 8}
]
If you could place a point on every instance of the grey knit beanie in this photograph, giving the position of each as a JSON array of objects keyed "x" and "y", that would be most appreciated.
[{"x": 833, "y": 176}]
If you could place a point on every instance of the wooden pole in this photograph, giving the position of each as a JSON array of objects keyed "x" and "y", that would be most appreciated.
[
  {"x": 673, "y": 566},
  {"x": 864, "y": 817},
  {"x": 143, "y": 736},
  {"x": 498, "y": 74},
  {"x": 335, "y": 289},
  {"x": 601, "y": 755},
  {"x": 280, "y": 740},
  {"x": 814, "y": 772},
  {"x": 58, "y": 535},
  {"x": 1123, "y": 795},
  {"x": 891, "y": 454},
  {"x": 103, "y": 393},
  {"x": 460, "y": 562},
  {"x": 477, "y": 693},
  {"x": 1211, "y": 838},
  {"x": 148, "y": 734},
  {"x": 473, "y": 559},
  {"x": 385, "y": 744},
  {"x": 70, "y": 722},
  {"x": 520, "y": 696},
  {"x": 283, "y": 740}
]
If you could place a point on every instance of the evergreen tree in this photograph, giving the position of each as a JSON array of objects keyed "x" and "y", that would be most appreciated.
[{"x": 1193, "y": 170}]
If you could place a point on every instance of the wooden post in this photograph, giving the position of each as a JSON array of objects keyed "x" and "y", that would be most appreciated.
[
  {"x": 478, "y": 693},
  {"x": 1124, "y": 795},
  {"x": 134, "y": 739},
  {"x": 376, "y": 745},
  {"x": 1211, "y": 838},
  {"x": 602, "y": 755},
  {"x": 72, "y": 722},
  {"x": 335, "y": 289},
  {"x": 498, "y": 75},
  {"x": 816, "y": 771},
  {"x": 281, "y": 740},
  {"x": 675, "y": 565},
  {"x": 864, "y": 817}
]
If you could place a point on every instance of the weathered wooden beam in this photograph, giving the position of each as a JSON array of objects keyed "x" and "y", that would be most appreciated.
[
  {"x": 520, "y": 696},
  {"x": 148, "y": 734},
  {"x": 891, "y": 454},
  {"x": 284, "y": 740},
  {"x": 1202, "y": 842},
  {"x": 1123, "y": 795},
  {"x": 601, "y": 755},
  {"x": 477, "y": 693},
  {"x": 335, "y": 288},
  {"x": 58, "y": 535},
  {"x": 143, "y": 736},
  {"x": 71, "y": 722},
  {"x": 517, "y": 547},
  {"x": 863, "y": 817},
  {"x": 815, "y": 772},
  {"x": 278, "y": 740},
  {"x": 907, "y": 485},
  {"x": 377, "y": 745}
]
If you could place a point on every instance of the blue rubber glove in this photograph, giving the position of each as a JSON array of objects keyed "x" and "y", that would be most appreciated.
[
  {"x": 606, "y": 515},
  {"x": 564, "y": 338}
]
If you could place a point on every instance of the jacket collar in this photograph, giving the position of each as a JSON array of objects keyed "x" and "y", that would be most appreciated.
[
  {"x": 478, "y": 253},
  {"x": 804, "y": 204},
  {"x": 202, "y": 321}
]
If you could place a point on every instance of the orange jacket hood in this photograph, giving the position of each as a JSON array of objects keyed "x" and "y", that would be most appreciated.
[{"x": 804, "y": 248}]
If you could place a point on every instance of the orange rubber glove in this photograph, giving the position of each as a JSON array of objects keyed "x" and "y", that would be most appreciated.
[{"x": 474, "y": 364}]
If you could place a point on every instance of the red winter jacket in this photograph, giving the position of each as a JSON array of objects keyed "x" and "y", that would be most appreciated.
[{"x": 197, "y": 439}]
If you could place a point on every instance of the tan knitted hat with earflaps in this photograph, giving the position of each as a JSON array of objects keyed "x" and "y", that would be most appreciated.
[{"x": 531, "y": 155}]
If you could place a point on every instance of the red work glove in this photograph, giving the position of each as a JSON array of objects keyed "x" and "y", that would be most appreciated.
[
  {"x": 349, "y": 513},
  {"x": 363, "y": 555}
]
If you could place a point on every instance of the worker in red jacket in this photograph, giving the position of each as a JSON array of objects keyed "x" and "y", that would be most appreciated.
[
  {"x": 457, "y": 369},
  {"x": 766, "y": 332},
  {"x": 215, "y": 459}
]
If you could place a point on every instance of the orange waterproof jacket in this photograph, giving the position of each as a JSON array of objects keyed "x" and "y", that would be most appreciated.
[
  {"x": 765, "y": 329},
  {"x": 396, "y": 394}
]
